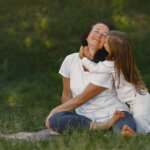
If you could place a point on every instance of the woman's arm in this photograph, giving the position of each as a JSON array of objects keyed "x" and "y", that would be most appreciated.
[
  {"x": 89, "y": 92},
  {"x": 66, "y": 93}
]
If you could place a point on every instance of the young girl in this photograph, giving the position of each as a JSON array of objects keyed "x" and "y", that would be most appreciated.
[{"x": 129, "y": 86}]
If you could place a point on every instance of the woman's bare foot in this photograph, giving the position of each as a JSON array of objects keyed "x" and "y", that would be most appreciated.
[
  {"x": 116, "y": 116},
  {"x": 127, "y": 132}
]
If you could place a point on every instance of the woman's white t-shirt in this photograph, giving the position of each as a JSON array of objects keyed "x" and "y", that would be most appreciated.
[{"x": 101, "y": 107}]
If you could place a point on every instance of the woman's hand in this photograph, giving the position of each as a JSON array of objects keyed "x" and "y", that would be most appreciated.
[{"x": 47, "y": 123}]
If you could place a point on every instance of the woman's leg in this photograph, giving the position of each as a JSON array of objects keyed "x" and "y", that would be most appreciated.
[{"x": 65, "y": 121}]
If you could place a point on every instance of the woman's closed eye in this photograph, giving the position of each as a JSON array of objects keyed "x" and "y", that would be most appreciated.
[
  {"x": 103, "y": 36},
  {"x": 96, "y": 32},
  {"x": 100, "y": 34}
]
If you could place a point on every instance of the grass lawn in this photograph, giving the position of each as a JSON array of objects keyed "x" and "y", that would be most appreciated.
[{"x": 35, "y": 36}]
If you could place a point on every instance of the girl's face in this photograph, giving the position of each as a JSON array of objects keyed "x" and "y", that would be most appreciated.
[
  {"x": 97, "y": 36},
  {"x": 106, "y": 46}
]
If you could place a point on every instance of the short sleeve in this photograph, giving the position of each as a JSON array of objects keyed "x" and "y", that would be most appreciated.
[
  {"x": 103, "y": 79},
  {"x": 65, "y": 67}
]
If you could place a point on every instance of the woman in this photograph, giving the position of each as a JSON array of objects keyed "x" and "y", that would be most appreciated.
[
  {"x": 93, "y": 96},
  {"x": 129, "y": 86}
]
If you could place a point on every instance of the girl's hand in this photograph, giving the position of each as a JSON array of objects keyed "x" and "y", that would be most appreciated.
[
  {"x": 87, "y": 53},
  {"x": 81, "y": 52},
  {"x": 84, "y": 52}
]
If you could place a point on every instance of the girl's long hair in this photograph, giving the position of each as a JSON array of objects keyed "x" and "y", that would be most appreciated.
[{"x": 121, "y": 52}]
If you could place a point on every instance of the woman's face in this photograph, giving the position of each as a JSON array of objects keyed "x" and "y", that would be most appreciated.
[{"x": 97, "y": 36}]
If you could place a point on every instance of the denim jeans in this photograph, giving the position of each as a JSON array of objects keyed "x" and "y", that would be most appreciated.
[{"x": 66, "y": 121}]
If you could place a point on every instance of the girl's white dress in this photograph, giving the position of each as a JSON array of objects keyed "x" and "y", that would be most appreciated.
[{"x": 139, "y": 104}]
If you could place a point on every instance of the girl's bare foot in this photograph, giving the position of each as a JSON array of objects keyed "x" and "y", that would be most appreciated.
[
  {"x": 127, "y": 131},
  {"x": 106, "y": 125},
  {"x": 116, "y": 116}
]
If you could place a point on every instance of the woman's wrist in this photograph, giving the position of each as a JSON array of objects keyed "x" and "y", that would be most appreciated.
[{"x": 53, "y": 112}]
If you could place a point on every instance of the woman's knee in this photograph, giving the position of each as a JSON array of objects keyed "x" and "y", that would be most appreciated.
[
  {"x": 67, "y": 121},
  {"x": 55, "y": 118},
  {"x": 57, "y": 122}
]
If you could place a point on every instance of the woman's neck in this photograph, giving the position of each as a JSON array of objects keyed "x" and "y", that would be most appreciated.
[{"x": 92, "y": 50}]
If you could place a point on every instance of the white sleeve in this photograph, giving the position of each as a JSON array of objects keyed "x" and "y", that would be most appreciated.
[
  {"x": 65, "y": 67},
  {"x": 100, "y": 67},
  {"x": 102, "y": 79}
]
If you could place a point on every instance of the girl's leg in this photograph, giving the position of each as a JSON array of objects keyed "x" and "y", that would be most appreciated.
[
  {"x": 65, "y": 121},
  {"x": 107, "y": 125}
]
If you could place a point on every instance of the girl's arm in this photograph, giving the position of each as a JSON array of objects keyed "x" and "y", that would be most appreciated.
[{"x": 100, "y": 67}]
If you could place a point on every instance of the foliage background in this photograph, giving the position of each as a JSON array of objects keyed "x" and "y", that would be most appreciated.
[{"x": 36, "y": 35}]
